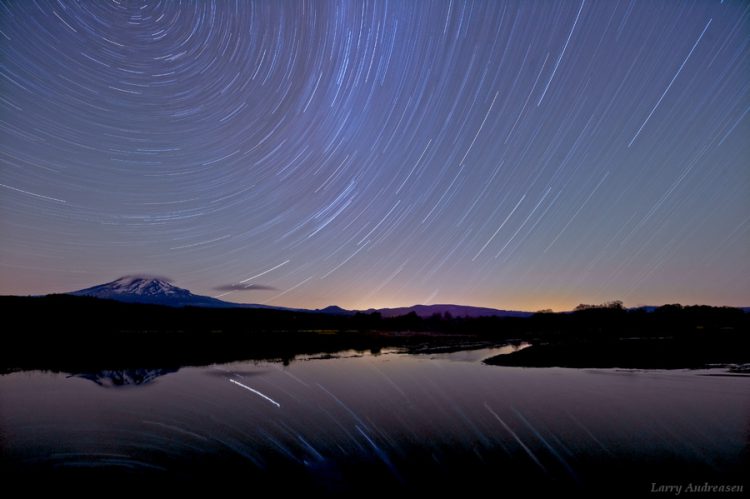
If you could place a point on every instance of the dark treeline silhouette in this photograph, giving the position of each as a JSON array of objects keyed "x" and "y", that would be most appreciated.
[
  {"x": 70, "y": 332},
  {"x": 609, "y": 335}
]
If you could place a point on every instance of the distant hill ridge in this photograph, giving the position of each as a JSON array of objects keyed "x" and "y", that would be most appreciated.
[
  {"x": 160, "y": 291},
  {"x": 453, "y": 310}
]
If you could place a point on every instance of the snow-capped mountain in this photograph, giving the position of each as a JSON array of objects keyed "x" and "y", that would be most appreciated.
[{"x": 151, "y": 289}]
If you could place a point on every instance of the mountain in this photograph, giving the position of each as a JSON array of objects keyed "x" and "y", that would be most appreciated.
[
  {"x": 124, "y": 377},
  {"x": 334, "y": 310},
  {"x": 425, "y": 311},
  {"x": 159, "y": 291},
  {"x": 454, "y": 310},
  {"x": 153, "y": 290}
]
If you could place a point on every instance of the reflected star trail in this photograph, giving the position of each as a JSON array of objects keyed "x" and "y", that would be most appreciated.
[{"x": 518, "y": 155}]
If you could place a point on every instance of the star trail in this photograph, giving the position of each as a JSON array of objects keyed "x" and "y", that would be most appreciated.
[{"x": 518, "y": 155}]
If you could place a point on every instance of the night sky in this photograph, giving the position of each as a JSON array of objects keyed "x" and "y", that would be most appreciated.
[{"x": 519, "y": 155}]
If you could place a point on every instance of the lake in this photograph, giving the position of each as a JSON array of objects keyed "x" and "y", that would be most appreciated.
[{"x": 378, "y": 422}]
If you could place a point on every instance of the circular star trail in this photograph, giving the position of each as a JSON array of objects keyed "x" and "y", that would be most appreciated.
[{"x": 509, "y": 154}]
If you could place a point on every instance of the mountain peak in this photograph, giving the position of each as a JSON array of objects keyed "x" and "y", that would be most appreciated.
[
  {"x": 154, "y": 290},
  {"x": 135, "y": 286},
  {"x": 140, "y": 288},
  {"x": 142, "y": 277},
  {"x": 145, "y": 285}
]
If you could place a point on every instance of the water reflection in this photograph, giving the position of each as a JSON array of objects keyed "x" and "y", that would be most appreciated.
[
  {"x": 123, "y": 377},
  {"x": 440, "y": 422},
  {"x": 479, "y": 354}
]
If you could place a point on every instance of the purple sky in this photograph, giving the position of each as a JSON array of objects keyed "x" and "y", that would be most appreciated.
[{"x": 516, "y": 155}]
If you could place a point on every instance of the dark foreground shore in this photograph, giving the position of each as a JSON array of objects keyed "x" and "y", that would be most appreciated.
[
  {"x": 71, "y": 333},
  {"x": 128, "y": 414}
]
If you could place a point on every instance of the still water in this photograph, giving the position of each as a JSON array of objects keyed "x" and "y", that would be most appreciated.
[{"x": 378, "y": 422}]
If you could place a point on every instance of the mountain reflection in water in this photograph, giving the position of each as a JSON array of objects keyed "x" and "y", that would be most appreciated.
[
  {"x": 441, "y": 423},
  {"x": 123, "y": 377}
]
